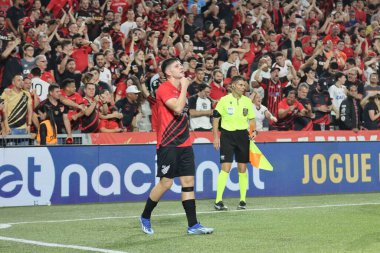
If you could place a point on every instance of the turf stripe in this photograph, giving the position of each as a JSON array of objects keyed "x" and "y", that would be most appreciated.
[
  {"x": 56, "y": 245},
  {"x": 199, "y": 212}
]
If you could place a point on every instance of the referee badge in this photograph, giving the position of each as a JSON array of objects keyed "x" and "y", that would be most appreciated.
[
  {"x": 245, "y": 112},
  {"x": 230, "y": 110}
]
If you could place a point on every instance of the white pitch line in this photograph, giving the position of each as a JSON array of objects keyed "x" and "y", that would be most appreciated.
[
  {"x": 202, "y": 212},
  {"x": 56, "y": 245}
]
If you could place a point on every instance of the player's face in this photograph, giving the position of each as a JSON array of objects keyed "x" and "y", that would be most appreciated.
[{"x": 176, "y": 70}]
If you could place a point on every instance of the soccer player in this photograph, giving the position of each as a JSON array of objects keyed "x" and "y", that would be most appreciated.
[
  {"x": 235, "y": 111},
  {"x": 175, "y": 157}
]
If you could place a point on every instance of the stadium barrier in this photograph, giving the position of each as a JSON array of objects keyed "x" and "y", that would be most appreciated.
[
  {"x": 120, "y": 173},
  {"x": 29, "y": 140}
]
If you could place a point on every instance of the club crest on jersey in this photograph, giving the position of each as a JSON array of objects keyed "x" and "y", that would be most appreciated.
[
  {"x": 245, "y": 112},
  {"x": 165, "y": 169}
]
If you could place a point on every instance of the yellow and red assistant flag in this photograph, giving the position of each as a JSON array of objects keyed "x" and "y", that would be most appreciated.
[{"x": 257, "y": 159}]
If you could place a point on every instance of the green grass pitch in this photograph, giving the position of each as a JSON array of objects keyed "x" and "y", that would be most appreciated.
[{"x": 323, "y": 223}]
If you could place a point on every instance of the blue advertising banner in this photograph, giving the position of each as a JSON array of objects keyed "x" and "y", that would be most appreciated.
[{"x": 87, "y": 174}]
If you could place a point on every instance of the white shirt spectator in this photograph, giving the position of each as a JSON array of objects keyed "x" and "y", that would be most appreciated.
[
  {"x": 283, "y": 70},
  {"x": 259, "y": 90},
  {"x": 200, "y": 104},
  {"x": 105, "y": 76},
  {"x": 337, "y": 95},
  {"x": 226, "y": 65},
  {"x": 127, "y": 26},
  {"x": 41, "y": 88},
  {"x": 260, "y": 117}
]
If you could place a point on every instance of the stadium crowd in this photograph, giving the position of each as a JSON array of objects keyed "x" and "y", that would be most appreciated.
[{"x": 309, "y": 65}]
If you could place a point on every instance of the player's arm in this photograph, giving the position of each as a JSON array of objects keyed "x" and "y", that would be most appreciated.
[{"x": 177, "y": 104}]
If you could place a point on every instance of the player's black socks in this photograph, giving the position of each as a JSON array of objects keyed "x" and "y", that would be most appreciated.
[
  {"x": 189, "y": 206},
  {"x": 149, "y": 206}
]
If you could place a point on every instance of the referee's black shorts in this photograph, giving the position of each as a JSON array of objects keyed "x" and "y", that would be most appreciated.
[
  {"x": 175, "y": 162},
  {"x": 234, "y": 143}
]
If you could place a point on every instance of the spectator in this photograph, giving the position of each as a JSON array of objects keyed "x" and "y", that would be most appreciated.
[
  {"x": 60, "y": 111},
  {"x": 273, "y": 90},
  {"x": 352, "y": 78},
  {"x": 82, "y": 49},
  {"x": 128, "y": 106},
  {"x": 233, "y": 60},
  {"x": 129, "y": 24},
  {"x": 321, "y": 105},
  {"x": 337, "y": 94},
  {"x": 11, "y": 62},
  {"x": 90, "y": 119},
  {"x": 14, "y": 14},
  {"x": 40, "y": 87},
  {"x": 373, "y": 86},
  {"x": 18, "y": 108},
  {"x": 109, "y": 115},
  {"x": 74, "y": 115},
  {"x": 200, "y": 109},
  {"x": 28, "y": 61},
  {"x": 41, "y": 62},
  {"x": 351, "y": 111},
  {"x": 262, "y": 113},
  {"x": 371, "y": 112},
  {"x": 288, "y": 109},
  {"x": 194, "y": 87},
  {"x": 304, "y": 123},
  {"x": 47, "y": 130},
  {"x": 217, "y": 88},
  {"x": 70, "y": 72},
  {"x": 209, "y": 68}
]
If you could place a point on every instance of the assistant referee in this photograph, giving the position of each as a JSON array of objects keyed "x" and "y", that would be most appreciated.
[{"x": 237, "y": 116}]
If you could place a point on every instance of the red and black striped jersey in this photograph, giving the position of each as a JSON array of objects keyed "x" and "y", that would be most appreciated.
[{"x": 173, "y": 129}]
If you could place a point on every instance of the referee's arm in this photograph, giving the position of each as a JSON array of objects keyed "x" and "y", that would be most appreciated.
[{"x": 215, "y": 130}]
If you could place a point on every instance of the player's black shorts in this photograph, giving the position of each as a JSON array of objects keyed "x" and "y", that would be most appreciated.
[
  {"x": 234, "y": 143},
  {"x": 175, "y": 162}
]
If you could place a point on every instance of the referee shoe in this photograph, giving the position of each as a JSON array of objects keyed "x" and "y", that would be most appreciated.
[
  {"x": 220, "y": 206},
  {"x": 242, "y": 205},
  {"x": 198, "y": 229},
  {"x": 146, "y": 226}
]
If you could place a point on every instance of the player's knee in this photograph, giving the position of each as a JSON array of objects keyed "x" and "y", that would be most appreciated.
[
  {"x": 188, "y": 189},
  {"x": 166, "y": 183}
]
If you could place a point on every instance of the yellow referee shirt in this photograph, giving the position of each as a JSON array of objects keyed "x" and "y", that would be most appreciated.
[{"x": 235, "y": 113}]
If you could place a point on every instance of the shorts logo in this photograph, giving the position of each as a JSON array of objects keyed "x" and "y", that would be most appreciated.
[
  {"x": 165, "y": 169},
  {"x": 222, "y": 157}
]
